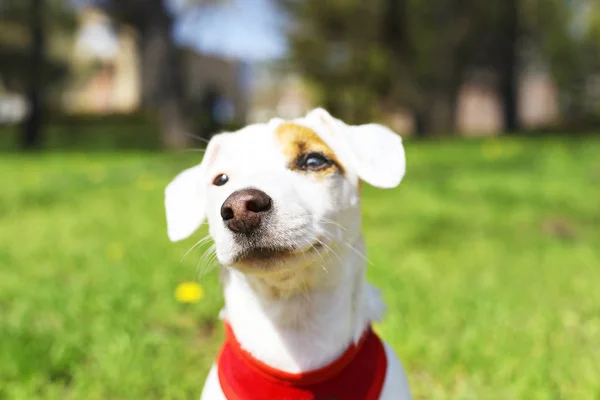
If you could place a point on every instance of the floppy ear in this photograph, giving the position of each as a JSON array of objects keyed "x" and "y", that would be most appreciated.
[
  {"x": 374, "y": 151},
  {"x": 185, "y": 198},
  {"x": 185, "y": 203}
]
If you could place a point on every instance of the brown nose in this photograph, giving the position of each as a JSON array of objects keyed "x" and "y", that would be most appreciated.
[{"x": 243, "y": 210}]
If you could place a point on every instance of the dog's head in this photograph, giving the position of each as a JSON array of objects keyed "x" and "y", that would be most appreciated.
[{"x": 278, "y": 195}]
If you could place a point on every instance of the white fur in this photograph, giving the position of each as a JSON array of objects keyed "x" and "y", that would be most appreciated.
[{"x": 302, "y": 313}]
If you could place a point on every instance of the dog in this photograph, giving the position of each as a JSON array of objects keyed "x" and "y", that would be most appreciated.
[{"x": 282, "y": 200}]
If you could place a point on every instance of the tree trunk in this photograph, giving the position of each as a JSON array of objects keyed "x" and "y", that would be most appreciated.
[
  {"x": 32, "y": 127},
  {"x": 161, "y": 70},
  {"x": 441, "y": 115},
  {"x": 400, "y": 86},
  {"x": 420, "y": 123},
  {"x": 436, "y": 114},
  {"x": 508, "y": 68}
]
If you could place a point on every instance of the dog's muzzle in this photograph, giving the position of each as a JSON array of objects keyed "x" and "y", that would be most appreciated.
[{"x": 244, "y": 210}]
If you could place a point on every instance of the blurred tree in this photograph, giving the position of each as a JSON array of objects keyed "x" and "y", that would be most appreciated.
[
  {"x": 33, "y": 123},
  {"x": 565, "y": 35},
  {"x": 385, "y": 53},
  {"x": 368, "y": 56},
  {"x": 507, "y": 37},
  {"x": 161, "y": 66},
  {"x": 494, "y": 40},
  {"x": 332, "y": 43},
  {"x": 446, "y": 41},
  {"x": 25, "y": 66},
  {"x": 441, "y": 32}
]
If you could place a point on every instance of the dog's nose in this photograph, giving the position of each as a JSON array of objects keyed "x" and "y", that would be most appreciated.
[{"x": 243, "y": 210}]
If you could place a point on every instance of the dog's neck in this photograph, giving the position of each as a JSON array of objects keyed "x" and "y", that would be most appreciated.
[{"x": 299, "y": 321}]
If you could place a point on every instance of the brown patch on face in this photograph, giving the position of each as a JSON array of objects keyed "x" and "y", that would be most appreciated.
[{"x": 298, "y": 140}]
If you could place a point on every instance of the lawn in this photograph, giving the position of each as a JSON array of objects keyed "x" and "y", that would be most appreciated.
[{"x": 488, "y": 256}]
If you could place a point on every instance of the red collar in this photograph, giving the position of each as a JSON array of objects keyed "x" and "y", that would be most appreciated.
[{"x": 357, "y": 374}]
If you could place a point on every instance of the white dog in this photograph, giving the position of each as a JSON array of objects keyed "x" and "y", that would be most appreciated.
[{"x": 283, "y": 204}]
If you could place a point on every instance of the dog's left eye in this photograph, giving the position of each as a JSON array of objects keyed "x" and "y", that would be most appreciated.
[
  {"x": 220, "y": 180},
  {"x": 314, "y": 162}
]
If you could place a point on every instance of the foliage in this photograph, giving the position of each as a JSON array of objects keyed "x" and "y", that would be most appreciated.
[
  {"x": 487, "y": 258},
  {"x": 569, "y": 41},
  {"x": 369, "y": 57},
  {"x": 406, "y": 52},
  {"x": 15, "y": 40}
]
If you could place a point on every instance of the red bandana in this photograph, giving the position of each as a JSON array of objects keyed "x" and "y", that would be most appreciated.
[{"x": 357, "y": 375}]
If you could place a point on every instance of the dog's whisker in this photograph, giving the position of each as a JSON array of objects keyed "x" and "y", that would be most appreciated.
[
  {"x": 200, "y": 242},
  {"x": 212, "y": 256},
  {"x": 359, "y": 253},
  {"x": 325, "y": 245},
  {"x": 305, "y": 290},
  {"x": 198, "y": 138},
  {"x": 323, "y": 264},
  {"x": 213, "y": 261},
  {"x": 205, "y": 270},
  {"x": 353, "y": 248},
  {"x": 202, "y": 267},
  {"x": 332, "y": 222},
  {"x": 192, "y": 150}
]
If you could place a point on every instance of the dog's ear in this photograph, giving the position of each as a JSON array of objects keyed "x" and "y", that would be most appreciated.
[
  {"x": 185, "y": 203},
  {"x": 185, "y": 197},
  {"x": 374, "y": 151}
]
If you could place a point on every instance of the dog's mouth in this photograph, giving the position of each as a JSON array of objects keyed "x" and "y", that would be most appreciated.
[{"x": 269, "y": 255}]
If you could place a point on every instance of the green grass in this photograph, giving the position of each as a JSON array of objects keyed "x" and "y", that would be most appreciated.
[{"x": 488, "y": 256}]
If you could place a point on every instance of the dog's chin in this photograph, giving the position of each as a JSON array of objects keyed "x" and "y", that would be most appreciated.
[{"x": 267, "y": 258}]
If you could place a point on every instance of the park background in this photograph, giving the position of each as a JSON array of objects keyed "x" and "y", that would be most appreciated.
[{"x": 487, "y": 254}]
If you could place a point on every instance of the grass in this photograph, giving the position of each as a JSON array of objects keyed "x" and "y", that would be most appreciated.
[{"x": 487, "y": 256}]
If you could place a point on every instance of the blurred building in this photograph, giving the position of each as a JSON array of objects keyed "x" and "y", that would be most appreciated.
[
  {"x": 539, "y": 100},
  {"x": 276, "y": 92},
  {"x": 107, "y": 74},
  {"x": 105, "y": 68},
  {"x": 279, "y": 92},
  {"x": 15, "y": 59},
  {"x": 222, "y": 81},
  {"x": 479, "y": 106},
  {"x": 13, "y": 106}
]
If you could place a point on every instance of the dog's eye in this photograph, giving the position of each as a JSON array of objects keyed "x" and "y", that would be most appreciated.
[
  {"x": 314, "y": 162},
  {"x": 220, "y": 180}
]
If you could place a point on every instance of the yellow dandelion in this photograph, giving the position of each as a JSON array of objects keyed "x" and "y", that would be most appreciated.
[
  {"x": 115, "y": 252},
  {"x": 492, "y": 149},
  {"x": 189, "y": 292}
]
